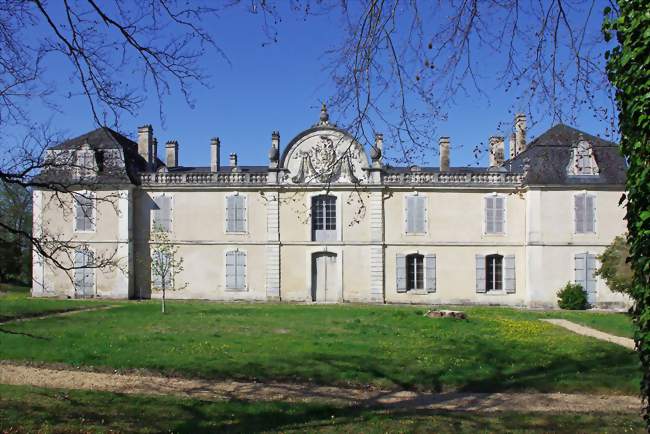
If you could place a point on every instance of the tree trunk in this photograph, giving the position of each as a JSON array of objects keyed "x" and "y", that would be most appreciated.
[{"x": 163, "y": 299}]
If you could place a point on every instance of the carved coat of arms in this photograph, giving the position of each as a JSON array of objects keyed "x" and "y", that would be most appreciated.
[{"x": 323, "y": 155}]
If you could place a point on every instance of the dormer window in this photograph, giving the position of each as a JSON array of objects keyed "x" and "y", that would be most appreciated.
[
  {"x": 582, "y": 160},
  {"x": 86, "y": 165}
]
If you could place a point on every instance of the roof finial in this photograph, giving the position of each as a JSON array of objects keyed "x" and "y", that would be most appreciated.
[{"x": 324, "y": 116}]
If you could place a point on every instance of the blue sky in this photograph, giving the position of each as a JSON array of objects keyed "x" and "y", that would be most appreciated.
[{"x": 278, "y": 87}]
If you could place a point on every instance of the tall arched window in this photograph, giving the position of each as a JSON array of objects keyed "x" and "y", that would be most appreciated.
[
  {"x": 494, "y": 272},
  {"x": 323, "y": 218}
]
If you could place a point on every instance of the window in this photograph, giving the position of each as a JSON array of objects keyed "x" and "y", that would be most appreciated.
[
  {"x": 85, "y": 163},
  {"x": 585, "y": 213},
  {"x": 162, "y": 213},
  {"x": 161, "y": 270},
  {"x": 583, "y": 162},
  {"x": 584, "y": 269},
  {"x": 236, "y": 213},
  {"x": 84, "y": 273},
  {"x": 495, "y": 214},
  {"x": 84, "y": 212},
  {"x": 236, "y": 270},
  {"x": 323, "y": 218},
  {"x": 495, "y": 273},
  {"x": 416, "y": 215},
  {"x": 416, "y": 272}
]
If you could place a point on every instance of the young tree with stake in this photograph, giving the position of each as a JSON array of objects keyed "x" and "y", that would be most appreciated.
[{"x": 166, "y": 264}]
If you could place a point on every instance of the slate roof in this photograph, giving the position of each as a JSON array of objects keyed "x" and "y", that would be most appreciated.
[{"x": 550, "y": 154}]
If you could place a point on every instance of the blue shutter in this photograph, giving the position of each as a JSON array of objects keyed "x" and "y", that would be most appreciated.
[
  {"x": 580, "y": 213},
  {"x": 430, "y": 273},
  {"x": 480, "y": 273},
  {"x": 510, "y": 283},
  {"x": 400, "y": 272},
  {"x": 580, "y": 269},
  {"x": 590, "y": 278},
  {"x": 590, "y": 213}
]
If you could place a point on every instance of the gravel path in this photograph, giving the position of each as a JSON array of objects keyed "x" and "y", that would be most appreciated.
[
  {"x": 250, "y": 391},
  {"x": 588, "y": 331}
]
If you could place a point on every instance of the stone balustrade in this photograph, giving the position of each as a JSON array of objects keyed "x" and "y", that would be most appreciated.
[{"x": 193, "y": 178}]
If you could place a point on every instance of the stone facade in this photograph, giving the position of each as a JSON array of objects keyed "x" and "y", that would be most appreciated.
[{"x": 327, "y": 221}]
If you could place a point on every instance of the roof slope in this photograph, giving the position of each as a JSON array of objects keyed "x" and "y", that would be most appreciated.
[{"x": 549, "y": 155}]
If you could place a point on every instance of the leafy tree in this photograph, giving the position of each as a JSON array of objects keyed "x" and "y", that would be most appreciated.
[
  {"x": 166, "y": 264},
  {"x": 15, "y": 252},
  {"x": 629, "y": 71},
  {"x": 614, "y": 266}
]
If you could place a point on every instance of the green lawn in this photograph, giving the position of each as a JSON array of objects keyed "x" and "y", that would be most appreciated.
[
  {"x": 388, "y": 346},
  {"x": 27, "y": 409},
  {"x": 618, "y": 324},
  {"x": 16, "y": 303}
]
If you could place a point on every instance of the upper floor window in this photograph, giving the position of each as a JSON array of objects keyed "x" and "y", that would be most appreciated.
[
  {"x": 495, "y": 214},
  {"x": 416, "y": 272},
  {"x": 416, "y": 215},
  {"x": 236, "y": 270},
  {"x": 84, "y": 203},
  {"x": 582, "y": 160},
  {"x": 86, "y": 165},
  {"x": 236, "y": 213},
  {"x": 585, "y": 213},
  {"x": 323, "y": 218},
  {"x": 162, "y": 213},
  {"x": 84, "y": 272}
]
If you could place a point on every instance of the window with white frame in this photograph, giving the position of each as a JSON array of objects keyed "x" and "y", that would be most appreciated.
[
  {"x": 495, "y": 214},
  {"x": 585, "y": 266},
  {"x": 585, "y": 213},
  {"x": 84, "y": 272},
  {"x": 416, "y": 214},
  {"x": 323, "y": 218},
  {"x": 495, "y": 273},
  {"x": 161, "y": 215},
  {"x": 84, "y": 203},
  {"x": 236, "y": 213},
  {"x": 236, "y": 270},
  {"x": 416, "y": 272},
  {"x": 86, "y": 165}
]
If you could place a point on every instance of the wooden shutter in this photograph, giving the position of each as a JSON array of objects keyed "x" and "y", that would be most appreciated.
[
  {"x": 240, "y": 269},
  {"x": 231, "y": 278},
  {"x": 410, "y": 217},
  {"x": 430, "y": 273},
  {"x": 480, "y": 273},
  {"x": 89, "y": 274},
  {"x": 420, "y": 214},
  {"x": 590, "y": 213},
  {"x": 580, "y": 268},
  {"x": 240, "y": 213},
  {"x": 580, "y": 213},
  {"x": 79, "y": 221},
  {"x": 489, "y": 215},
  {"x": 510, "y": 284},
  {"x": 231, "y": 214},
  {"x": 590, "y": 278},
  {"x": 499, "y": 214},
  {"x": 400, "y": 272},
  {"x": 79, "y": 271}
]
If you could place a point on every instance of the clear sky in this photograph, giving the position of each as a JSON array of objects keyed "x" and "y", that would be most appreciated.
[{"x": 278, "y": 87}]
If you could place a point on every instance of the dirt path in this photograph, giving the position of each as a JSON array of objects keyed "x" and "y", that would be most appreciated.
[
  {"x": 28, "y": 317},
  {"x": 250, "y": 391},
  {"x": 588, "y": 331}
]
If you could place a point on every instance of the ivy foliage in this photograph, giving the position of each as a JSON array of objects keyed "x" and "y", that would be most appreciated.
[{"x": 628, "y": 69}]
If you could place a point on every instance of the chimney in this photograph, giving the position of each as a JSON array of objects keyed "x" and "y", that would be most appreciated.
[
  {"x": 215, "y": 152},
  {"x": 154, "y": 151},
  {"x": 274, "y": 152},
  {"x": 233, "y": 159},
  {"x": 520, "y": 132},
  {"x": 444, "y": 154},
  {"x": 497, "y": 151},
  {"x": 145, "y": 143},
  {"x": 171, "y": 149},
  {"x": 512, "y": 147}
]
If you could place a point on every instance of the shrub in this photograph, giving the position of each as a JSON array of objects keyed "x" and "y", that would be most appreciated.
[
  {"x": 572, "y": 297},
  {"x": 614, "y": 268}
]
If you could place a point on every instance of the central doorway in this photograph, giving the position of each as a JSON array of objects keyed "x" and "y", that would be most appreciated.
[{"x": 324, "y": 277}]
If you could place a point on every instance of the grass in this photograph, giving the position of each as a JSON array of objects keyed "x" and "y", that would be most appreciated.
[
  {"x": 15, "y": 303},
  {"x": 497, "y": 349},
  {"x": 619, "y": 324},
  {"x": 27, "y": 409}
]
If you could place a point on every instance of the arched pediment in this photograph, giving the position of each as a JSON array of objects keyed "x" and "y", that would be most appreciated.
[{"x": 324, "y": 154}]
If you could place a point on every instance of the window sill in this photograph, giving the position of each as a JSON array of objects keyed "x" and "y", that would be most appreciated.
[
  {"x": 84, "y": 232},
  {"x": 496, "y": 292},
  {"x": 236, "y": 290},
  {"x": 418, "y": 292},
  {"x": 236, "y": 233}
]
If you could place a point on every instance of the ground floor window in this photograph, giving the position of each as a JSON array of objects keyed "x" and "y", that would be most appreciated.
[
  {"x": 414, "y": 272},
  {"x": 494, "y": 272}
]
